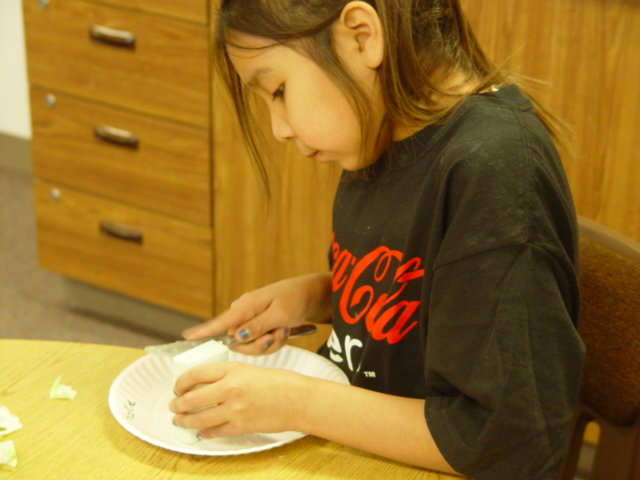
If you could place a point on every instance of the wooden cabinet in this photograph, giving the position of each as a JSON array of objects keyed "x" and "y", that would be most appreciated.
[
  {"x": 127, "y": 249},
  {"x": 150, "y": 162},
  {"x": 135, "y": 60},
  {"x": 142, "y": 184}
]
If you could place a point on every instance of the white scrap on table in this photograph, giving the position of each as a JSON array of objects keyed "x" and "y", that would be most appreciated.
[
  {"x": 8, "y": 454},
  {"x": 61, "y": 391},
  {"x": 8, "y": 421}
]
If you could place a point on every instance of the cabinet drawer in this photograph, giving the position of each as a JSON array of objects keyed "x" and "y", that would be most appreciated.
[
  {"x": 161, "y": 260},
  {"x": 163, "y": 72},
  {"x": 192, "y": 10},
  {"x": 137, "y": 159}
]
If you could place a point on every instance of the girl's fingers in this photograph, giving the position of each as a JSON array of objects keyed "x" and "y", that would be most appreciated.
[
  {"x": 224, "y": 430},
  {"x": 260, "y": 346},
  {"x": 228, "y": 321},
  {"x": 268, "y": 343},
  {"x": 211, "y": 423},
  {"x": 224, "y": 322},
  {"x": 241, "y": 319},
  {"x": 211, "y": 416},
  {"x": 202, "y": 374},
  {"x": 270, "y": 320},
  {"x": 245, "y": 399}
]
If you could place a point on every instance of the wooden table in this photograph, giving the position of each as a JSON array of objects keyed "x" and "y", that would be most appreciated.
[{"x": 80, "y": 439}]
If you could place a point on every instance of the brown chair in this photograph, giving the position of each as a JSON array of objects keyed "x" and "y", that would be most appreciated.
[{"x": 610, "y": 328}]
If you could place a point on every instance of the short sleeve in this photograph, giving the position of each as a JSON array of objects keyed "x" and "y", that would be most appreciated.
[
  {"x": 503, "y": 364},
  {"x": 503, "y": 357}
]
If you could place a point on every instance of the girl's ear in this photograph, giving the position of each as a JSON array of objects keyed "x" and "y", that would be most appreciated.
[{"x": 358, "y": 32}]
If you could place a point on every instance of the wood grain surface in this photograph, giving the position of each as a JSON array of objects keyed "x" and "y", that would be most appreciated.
[
  {"x": 192, "y": 10},
  {"x": 586, "y": 54},
  {"x": 63, "y": 439},
  {"x": 168, "y": 172},
  {"x": 171, "y": 265},
  {"x": 166, "y": 74}
]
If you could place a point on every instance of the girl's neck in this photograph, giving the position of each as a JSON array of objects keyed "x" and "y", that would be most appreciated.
[{"x": 458, "y": 84}]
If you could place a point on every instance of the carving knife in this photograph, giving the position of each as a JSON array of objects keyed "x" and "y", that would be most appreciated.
[{"x": 180, "y": 346}]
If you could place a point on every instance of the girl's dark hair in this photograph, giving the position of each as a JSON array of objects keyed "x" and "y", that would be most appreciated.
[{"x": 426, "y": 41}]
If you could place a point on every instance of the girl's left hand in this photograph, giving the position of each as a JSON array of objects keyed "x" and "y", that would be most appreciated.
[{"x": 245, "y": 399}]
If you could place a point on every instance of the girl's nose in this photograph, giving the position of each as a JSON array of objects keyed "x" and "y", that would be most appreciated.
[{"x": 281, "y": 128}]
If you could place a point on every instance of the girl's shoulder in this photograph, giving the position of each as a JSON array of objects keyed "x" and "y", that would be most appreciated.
[
  {"x": 491, "y": 120},
  {"x": 507, "y": 97},
  {"x": 489, "y": 136},
  {"x": 494, "y": 125},
  {"x": 492, "y": 115}
]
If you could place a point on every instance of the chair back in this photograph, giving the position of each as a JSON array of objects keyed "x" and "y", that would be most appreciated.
[{"x": 610, "y": 329}]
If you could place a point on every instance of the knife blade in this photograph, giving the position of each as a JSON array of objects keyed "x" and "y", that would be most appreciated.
[{"x": 175, "y": 348}]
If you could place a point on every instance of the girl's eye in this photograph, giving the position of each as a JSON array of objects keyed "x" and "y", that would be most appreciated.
[{"x": 279, "y": 93}]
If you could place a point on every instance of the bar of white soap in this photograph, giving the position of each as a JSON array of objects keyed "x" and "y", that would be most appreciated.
[{"x": 209, "y": 352}]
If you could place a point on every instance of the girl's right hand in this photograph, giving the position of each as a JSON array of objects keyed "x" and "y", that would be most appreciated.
[{"x": 261, "y": 318}]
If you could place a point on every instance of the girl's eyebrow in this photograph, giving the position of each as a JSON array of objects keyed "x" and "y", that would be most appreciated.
[{"x": 254, "y": 79}]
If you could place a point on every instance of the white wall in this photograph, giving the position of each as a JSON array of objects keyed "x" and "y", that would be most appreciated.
[{"x": 14, "y": 102}]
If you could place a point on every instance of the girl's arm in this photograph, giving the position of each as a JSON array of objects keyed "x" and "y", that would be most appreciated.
[
  {"x": 390, "y": 426},
  {"x": 250, "y": 399},
  {"x": 262, "y": 316}
]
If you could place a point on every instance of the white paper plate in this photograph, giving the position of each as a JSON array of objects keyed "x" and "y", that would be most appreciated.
[{"x": 140, "y": 394}]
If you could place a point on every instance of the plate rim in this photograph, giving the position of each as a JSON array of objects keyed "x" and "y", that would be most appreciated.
[{"x": 114, "y": 405}]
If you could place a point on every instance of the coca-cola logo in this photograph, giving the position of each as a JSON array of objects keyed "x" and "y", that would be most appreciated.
[{"x": 371, "y": 288}]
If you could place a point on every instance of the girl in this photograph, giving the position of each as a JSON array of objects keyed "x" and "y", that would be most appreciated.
[{"x": 453, "y": 289}]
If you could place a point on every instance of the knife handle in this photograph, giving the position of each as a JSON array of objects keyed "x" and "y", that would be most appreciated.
[
  {"x": 175, "y": 348},
  {"x": 299, "y": 331},
  {"x": 302, "y": 330}
]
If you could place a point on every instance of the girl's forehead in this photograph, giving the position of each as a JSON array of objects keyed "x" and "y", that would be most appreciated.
[
  {"x": 246, "y": 41},
  {"x": 244, "y": 48},
  {"x": 250, "y": 49},
  {"x": 256, "y": 60},
  {"x": 244, "y": 57}
]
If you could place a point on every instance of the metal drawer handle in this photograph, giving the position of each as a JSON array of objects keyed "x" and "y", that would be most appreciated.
[
  {"x": 121, "y": 232},
  {"x": 112, "y": 36},
  {"x": 116, "y": 136}
]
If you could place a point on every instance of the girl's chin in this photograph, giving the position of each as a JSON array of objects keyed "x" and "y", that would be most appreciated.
[{"x": 353, "y": 164}]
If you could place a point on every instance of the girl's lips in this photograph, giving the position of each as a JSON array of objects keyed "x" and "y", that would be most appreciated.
[{"x": 317, "y": 154}]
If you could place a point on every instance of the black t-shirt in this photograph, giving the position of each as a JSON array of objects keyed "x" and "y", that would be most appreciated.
[{"x": 455, "y": 279}]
